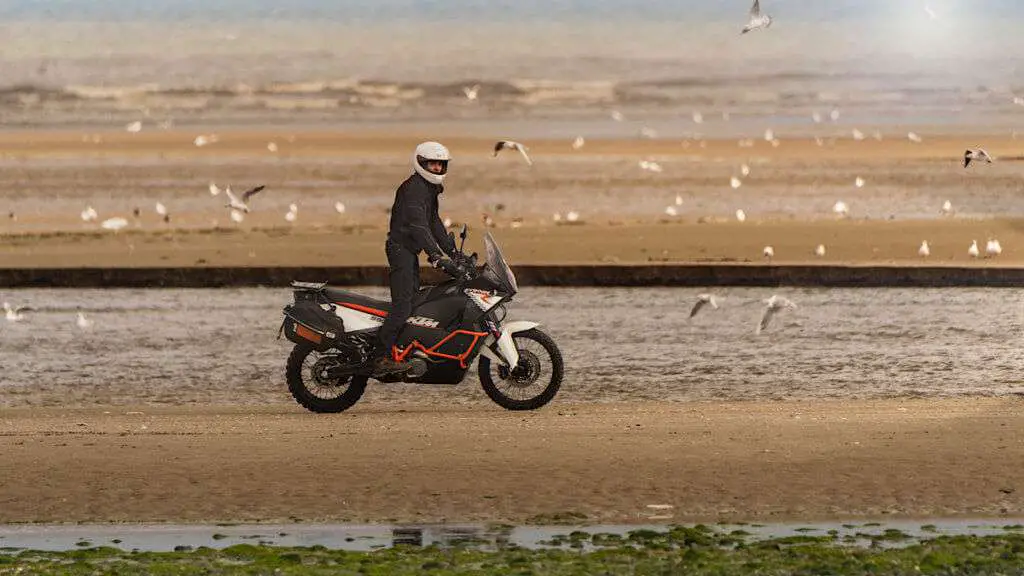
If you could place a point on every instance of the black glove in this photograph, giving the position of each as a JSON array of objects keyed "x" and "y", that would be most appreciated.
[{"x": 448, "y": 266}]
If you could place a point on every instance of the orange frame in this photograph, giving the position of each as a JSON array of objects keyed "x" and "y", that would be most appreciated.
[{"x": 399, "y": 355}]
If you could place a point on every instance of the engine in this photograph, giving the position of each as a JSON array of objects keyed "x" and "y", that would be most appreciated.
[{"x": 418, "y": 367}]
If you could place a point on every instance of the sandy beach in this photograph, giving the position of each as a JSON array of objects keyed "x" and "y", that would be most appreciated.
[
  {"x": 757, "y": 460},
  {"x": 731, "y": 461},
  {"x": 788, "y": 199}
]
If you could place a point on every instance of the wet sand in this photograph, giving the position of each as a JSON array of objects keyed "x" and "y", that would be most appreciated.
[{"x": 731, "y": 461}]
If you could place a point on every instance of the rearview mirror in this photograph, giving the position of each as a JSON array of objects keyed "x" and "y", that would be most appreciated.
[{"x": 464, "y": 231}]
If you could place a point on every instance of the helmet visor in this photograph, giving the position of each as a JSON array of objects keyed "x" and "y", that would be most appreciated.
[{"x": 438, "y": 167}]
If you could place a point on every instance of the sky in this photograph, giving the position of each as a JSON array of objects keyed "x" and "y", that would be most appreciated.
[{"x": 355, "y": 10}]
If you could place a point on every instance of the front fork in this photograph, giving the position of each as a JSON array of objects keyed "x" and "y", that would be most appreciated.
[{"x": 499, "y": 346}]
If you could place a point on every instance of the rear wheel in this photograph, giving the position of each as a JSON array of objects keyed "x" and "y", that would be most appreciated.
[
  {"x": 314, "y": 389},
  {"x": 535, "y": 379}
]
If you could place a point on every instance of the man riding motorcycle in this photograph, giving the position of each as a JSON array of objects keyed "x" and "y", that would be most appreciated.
[{"x": 415, "y": 227}]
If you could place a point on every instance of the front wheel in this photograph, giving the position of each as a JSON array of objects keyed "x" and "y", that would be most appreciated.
[
  {"x": 533, "y": 382},
  {"x": 310, "y": 385}
]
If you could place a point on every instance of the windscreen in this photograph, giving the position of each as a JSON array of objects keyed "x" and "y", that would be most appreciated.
[{"x": 497, "y": 266}]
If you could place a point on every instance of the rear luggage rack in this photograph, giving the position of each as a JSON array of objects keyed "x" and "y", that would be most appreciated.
[{"x": 309, "y": 285}]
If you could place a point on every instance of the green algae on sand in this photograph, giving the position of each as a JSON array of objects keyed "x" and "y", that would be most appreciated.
[{"x": 695, "y": 550}]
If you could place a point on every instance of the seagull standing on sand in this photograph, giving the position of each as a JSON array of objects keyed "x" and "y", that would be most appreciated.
[
  {"x": 924, "y": 251},
  {"x": 702, "y": 300},
  {"x": 203, "y": 140},
  {"x": 978, "y": 155},
  {"x": 947, "y": 207},
  {"x": 339, "y": 207},
  {"x": 114, "y": 224},
  {"x": 510, "y": 145},
  {"x": 578, "y": 143},
  {"x": 841, "y": 209},
  {"x": 973, "y": 251},
  {"x": 82, "y": 322},
  {"x": 819, "y": 251},
  {"x": 89, "y": 214},
  {"x": 772, "y": 305},
  {"x": 769, "y": 253},
  {"x": 757, "y": 20},
  {"x": 243, "y": 205},
  {"x": 993, "y": 248},
  {"x": 650, "y": 166},
  {"x": 471, "y": 92}
]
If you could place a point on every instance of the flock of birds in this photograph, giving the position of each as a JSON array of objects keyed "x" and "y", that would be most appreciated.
[
  {"x": 840, "y": 208},
  {"x": 239, "y": 205}
]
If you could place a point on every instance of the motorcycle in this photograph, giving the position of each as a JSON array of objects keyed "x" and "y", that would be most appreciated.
[{"x": 453, "y": 324}]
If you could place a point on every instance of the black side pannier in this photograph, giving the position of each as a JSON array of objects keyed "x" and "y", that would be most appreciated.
[{"x": 312, "y": 321}]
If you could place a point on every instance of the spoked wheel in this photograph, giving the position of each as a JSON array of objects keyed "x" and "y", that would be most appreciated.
[
  {"x": 311, "y": 385},
  {"x": 535, "y": 379}
]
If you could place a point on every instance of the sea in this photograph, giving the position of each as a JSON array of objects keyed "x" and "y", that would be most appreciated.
[{"x": 320, "y": 63}]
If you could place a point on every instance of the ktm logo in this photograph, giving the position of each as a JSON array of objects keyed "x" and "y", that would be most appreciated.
[
  {"x": 483, "y": 295},
  {"x": 423, "y": 321},
  {"x": 482, "y": 298}
]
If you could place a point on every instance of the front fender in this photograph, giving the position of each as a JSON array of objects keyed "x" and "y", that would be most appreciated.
[{"x": 505, "y": 351}]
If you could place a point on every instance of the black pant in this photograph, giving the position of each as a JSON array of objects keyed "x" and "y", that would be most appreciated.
[{"x": 404, "y": 278}]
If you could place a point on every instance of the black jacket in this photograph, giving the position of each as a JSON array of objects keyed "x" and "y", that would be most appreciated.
[{"x": 415, "y": 223}]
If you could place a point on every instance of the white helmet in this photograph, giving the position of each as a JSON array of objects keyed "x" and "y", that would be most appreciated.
[{"x": 430, "y": 152}]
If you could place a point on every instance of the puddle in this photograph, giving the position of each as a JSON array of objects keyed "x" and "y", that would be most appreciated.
[{"x": 165, "y": 538}]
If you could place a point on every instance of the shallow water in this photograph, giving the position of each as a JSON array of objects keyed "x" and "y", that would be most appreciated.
[
  {"x": 219, "y": 347},
  {"x": 162, "y": 538}
]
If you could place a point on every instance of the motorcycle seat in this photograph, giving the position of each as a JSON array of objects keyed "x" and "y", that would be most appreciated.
[
  {"x": 339, "y": 296},
  {"x": 371, "y": 305}
]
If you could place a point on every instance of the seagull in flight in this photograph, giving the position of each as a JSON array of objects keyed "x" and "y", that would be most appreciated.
[
  {"x": 773, "y": 305},
  {"x": 510, "y": 145},
  {"x": 243, "y": 205},
  {"x": 703, "y": 300},
  {"x": 757, "y": 20},
  {"x": 14, "y": 314},
  {"x": 977, "y": 154}
]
